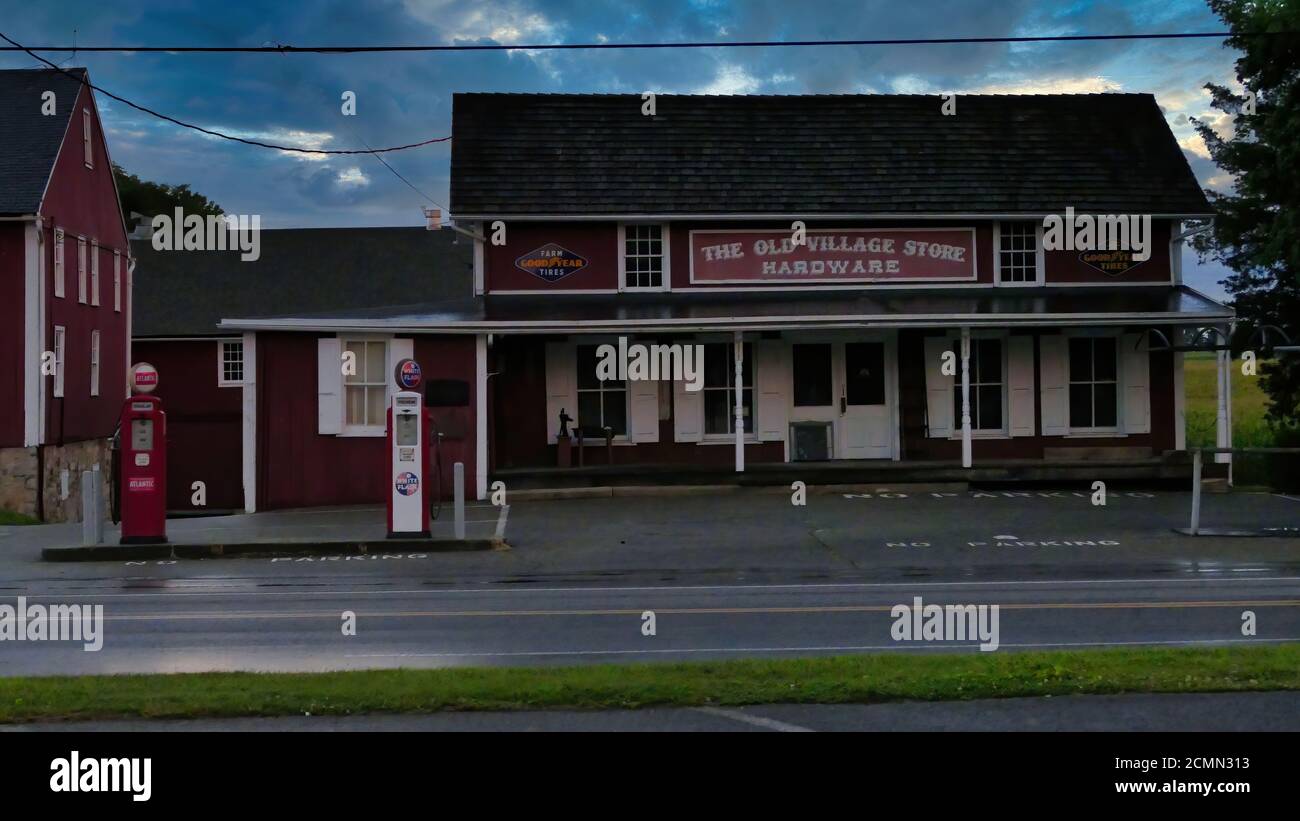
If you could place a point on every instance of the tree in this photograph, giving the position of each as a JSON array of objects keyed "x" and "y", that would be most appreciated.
[
  {"x": 150, "y": 198},
  {"x": 1256, "y": 232}
]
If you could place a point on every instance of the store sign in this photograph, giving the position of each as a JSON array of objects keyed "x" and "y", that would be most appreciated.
[
  {"x": 551, "y": 262},
  {"x": 1111, "y": 263},
  {"x": 836, "y": 255}
]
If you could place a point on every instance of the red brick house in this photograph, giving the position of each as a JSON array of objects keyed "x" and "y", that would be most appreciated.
[
  {"x": 923, "y": 322},
  {"x": 65, "y": 290}
]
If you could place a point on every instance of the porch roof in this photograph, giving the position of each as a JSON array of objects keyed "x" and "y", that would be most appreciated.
[{"x": 682, "y": 311}]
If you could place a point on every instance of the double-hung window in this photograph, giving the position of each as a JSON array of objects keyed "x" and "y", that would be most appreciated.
[
  {"x": 720, "y": 388},
  {"x": 986, "y": 386},
  {"x": 644, "y": 256},
  {"x": 1018, "y": 253},
  {"x": 230, "y": 363},
  {"x": 1094, "y": 384},
  {"x": 94, "y": 363},
  {"x": 601, "y": 403},
  {"x": 366, "y": 390}
]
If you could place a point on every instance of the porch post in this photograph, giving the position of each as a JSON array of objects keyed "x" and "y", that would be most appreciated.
[
  {"x": 1223, "y": 418},
  {"x": 740, "y": 402},
  {"x": 480, "y": 417},
  {"x": 965, "y": 398}
]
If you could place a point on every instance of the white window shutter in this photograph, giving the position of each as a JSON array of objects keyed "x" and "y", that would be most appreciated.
[
  {"x": 398, "y": 349},
  {"x": 1020, "y": 385},
  {"x": 938, "y": 387},
  {"x": 1135, "y": 361},
  {"x": 329, "y": 385},
  {"x": 688, "y": 413},
  {"x": 771, "y": 373},
  {"x": 561, "y": 386},
  {"x": 643, "y": 416},
  {"x": 1053, "y": 388}
]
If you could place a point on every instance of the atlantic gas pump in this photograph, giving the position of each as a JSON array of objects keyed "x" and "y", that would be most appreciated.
[
  {"x": 408, "y": 456},
  {"x": 142, "y": 461}
]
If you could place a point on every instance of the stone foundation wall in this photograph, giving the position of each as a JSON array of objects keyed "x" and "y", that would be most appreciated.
[{"x": 19, "y": 482}]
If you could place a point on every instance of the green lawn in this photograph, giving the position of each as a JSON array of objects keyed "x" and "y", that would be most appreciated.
[
  {"x": 846, "y": 679},
  {"x": 1249, "y": 430},
  {"x": 8, "y": 517}
]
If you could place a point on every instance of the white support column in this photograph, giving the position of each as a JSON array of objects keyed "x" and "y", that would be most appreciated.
[
  {"x": 1223, "y": 417},
  {"x": 740, "y": 403},
  {"x": 480, "y": 417},
  {"x": 965, "y": 398},
  {"x": 249, "y": 457}
]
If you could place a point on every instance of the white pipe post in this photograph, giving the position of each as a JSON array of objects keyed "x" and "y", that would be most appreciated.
[
  {"x": 740, "y": 402},
  {"x": 458, "y": 481},
  {"x": 1222, "y": 429},
  {"x": 965, "y": 398},
  {"x": 1196, "y": 491}
]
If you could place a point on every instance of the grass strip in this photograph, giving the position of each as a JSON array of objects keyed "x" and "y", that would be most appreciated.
[{"x": 826, "y": 680}]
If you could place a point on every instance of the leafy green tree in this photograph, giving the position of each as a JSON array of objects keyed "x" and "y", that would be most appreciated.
[
  {"x": 1257, "y": 231},
  {"x": 150, "y": 198}
]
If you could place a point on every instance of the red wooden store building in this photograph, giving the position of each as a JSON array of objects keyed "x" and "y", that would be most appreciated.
[{"x": 922, "y": 323}]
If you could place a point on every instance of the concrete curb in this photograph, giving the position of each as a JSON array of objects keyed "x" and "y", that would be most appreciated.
[
  {"x": 236, "y": 550},
  {"x": 605, "y": 492}
]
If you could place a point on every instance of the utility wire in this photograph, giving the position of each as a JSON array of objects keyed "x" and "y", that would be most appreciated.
[
  {"x": 232, "y": 138},
  {"x": 286, "y": 49}
]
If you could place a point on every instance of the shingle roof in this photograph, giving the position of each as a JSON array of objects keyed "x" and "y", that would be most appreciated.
[
  {"x": 575, "y": 154},
  {"x": 30, "y": 140},
  {"x": 300, "y": 270}
]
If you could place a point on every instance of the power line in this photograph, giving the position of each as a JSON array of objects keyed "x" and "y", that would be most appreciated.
[
  {"x": 409, "y": 184},
  {"x": 914, "y": 41},
  {"x": 208, "y": 131}
]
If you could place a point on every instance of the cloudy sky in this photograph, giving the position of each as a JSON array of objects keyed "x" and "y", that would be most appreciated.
[{"x": 404, "y": 98}]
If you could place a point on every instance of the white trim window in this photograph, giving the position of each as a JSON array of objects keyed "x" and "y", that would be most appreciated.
[
  {"x": 60, "y": 287},
  {"x": 601, "y": 403},
  {"x": 94, "y": 363},
  {"x": 81, "y": 270},
  {"x": 1093, "y": 384},
  {"x": 87, "y": 143},
  {"x": 720, "y": 389},
  {"x": 60, "y": 348},
  {"x": 94, "y": 273},
  {"x": 365, "y": 393},
  {"x": 643, "y": 261},
  {"x": 117, "y": 281},
  {"x": 988, "y": 410},
  {"x": 230, "y": 363},
  {"x": 1018, "y": 260}
]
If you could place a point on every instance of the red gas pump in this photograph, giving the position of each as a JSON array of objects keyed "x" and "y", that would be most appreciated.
[{"x": 142, "y": 459}]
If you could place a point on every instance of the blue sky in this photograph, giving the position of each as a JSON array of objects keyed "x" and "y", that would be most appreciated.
[{"x": 403, "y": 98}]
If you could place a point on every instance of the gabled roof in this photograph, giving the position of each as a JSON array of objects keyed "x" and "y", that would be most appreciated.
[
  {"x": 300, "y": 270},
  {"x": 598, "y": 155},
  {"x": 30, "y": 140}
]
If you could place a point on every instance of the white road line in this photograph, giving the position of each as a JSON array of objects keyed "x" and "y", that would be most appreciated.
[
  {"x": 757, "y": 721},
  {"x": 1284, "y": 496},
  {"x": 631, "y": 589},
  {"x": 973, "y": 646}
]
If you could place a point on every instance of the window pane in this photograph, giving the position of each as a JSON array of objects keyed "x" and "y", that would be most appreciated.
[
  {"x": 747, "y": 397},
  {"x": 717, "y": 366},
  {"x": 616, "y": 411},
  {"x": 989, "y": 407},
  {"x": 1105, "y": 405},
  {"x": 589, "y": 413},
  {"x": 717, "y": 411},
  {"x": 587, "y": 367},
  {"x": 376, "y": 405},
  {"x": 746, "y": 367},
  {"x": 1104, "y": 359},
  {"x": 812, "y": 375},
  {"x": 375, "y": 365},
  {"x": 989, "y": 359},
  {"x": 864, "y": 367},
  {"x": 356, "y": 402},
  {"x": 1081, "y": 406},
  {"x": 1080, "y": 360}
]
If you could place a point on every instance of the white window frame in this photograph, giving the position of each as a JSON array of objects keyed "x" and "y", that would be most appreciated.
[
  {"x": 619, "y": 439},
  {"x": 117, "y": 281},
  {"x": 665, "y": 283},
  {"x": 730, "y": 435},
  {"x": 1039, "y": 266},
  {"x": 87, "y": 138},
  {"x": 60, "y": 265},
  {"x": 381, "y": 382},
  {"x": 60, "y": 351},
  {"x": 94, "y": 273},
  {"x": 1003, "y": 337},
  {"x": 94, "y": 363},
  {"x": 1117, "y": 430},
  {"x": 81, "y": 270},
  {"x": 222, "y": 380}
]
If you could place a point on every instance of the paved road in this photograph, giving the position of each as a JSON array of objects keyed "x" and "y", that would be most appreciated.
[
  {"x": 726, "y": 576},
  {"x": 1179, "y": 712}
]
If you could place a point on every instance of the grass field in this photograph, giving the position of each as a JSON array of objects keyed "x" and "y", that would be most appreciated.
[
  {"x": 8, "y": 517},
  {"x": 840, "y": 680},
  {"x": 1249, "y": 430}
]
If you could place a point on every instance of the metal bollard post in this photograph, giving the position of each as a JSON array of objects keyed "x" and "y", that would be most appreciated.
[
  {"x": 1196, "y": 491},
  {"x": 459, "y": 483},
  {"x": 89, "y": 508}
]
